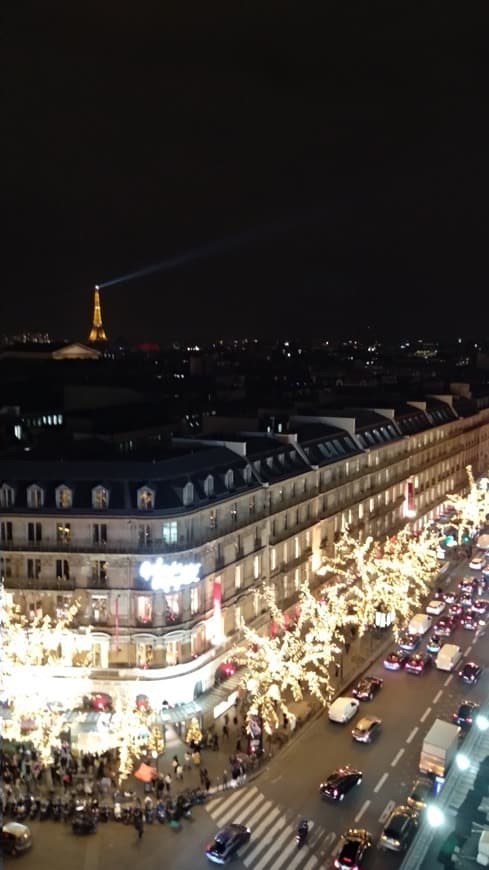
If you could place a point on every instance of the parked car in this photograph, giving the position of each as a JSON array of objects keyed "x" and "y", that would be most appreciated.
[
  {"x": 353, "y": 848},
  {"x": 399, "y": 829},
  {"x": 15, "y": 838},
  {"x": 340, "y": 782},
  {"x": 436, "y": 607},
  {"x": 227, "y": 842},
  {"x": 395, "y": 660},
  {"x": 421, "y": 791},
  {"x": 367, "y": 729},
  {"x": 367, "y": 687},
  {"x": 418, "y": 663},
  {"x": 470, "y": 673},
  {"x": 465, "y": 714},
  {"x": 343, "y": 709}
]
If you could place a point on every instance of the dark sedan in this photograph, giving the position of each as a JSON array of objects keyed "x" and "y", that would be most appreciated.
[
  {"x": 340, "y": 782},
  {"x": 395, "y": 660},
  {"x": 418, "y": 664},
  {"x": 470, "y": 621},
  {"x": 470, "y": 673},
  {"x": 367, "y": 688},
  {"x": 465, "y": 714},
  {"x": 227, "y": 842},
  {"x": 353, "y": 848}
]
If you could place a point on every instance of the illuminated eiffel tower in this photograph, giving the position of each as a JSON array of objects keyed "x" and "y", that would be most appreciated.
[{"x": 97, "y": 332}]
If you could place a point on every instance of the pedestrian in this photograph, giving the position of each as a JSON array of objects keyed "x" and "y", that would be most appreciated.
[
  {"x": 235, "y": 721},
  {"x": 138, "y": 823},
  {"x": 196, "y": 758},
  {"x": 215, "y": 742},
  {"x": 179, "y": 772},
  {"x": 207, "y": 782},
  {"x": 202, "y": 774},
  {"x": 168, "y": 782},
  {"x": 224, "y": 778},
  {"x": 160, "y": 787},
  {"x": 238, "y": 745},
  {"x": 175, "y": 763},
  {"x": 225, "y": 732},
  {"x": 187, "y": 761},
  {"x": 226, "y": 719}
]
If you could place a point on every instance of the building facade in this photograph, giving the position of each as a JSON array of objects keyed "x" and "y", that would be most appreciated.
[{"x": 166, "y": 558}]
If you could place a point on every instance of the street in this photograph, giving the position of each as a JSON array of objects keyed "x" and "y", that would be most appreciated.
[{"x": 287, "y": 789}]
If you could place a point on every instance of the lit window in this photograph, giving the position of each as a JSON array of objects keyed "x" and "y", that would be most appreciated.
[
  {"x": 297, "y": 548},
  {"x": 237, "y": 577},
  {"x": 213, "y": 519},
  {"x": 188, "y": 493},
  {"x": 172, "y": 607},
  {"x": 100, "y": 498},
  {"x": 273, "y": 559},
  {"x": 256, "y": 567},
  {"x": 144, "y": 609},
  {"x": 146, "y": 499},
  {"x": 194, "y": 600},
  {"x": 64, "y": 497},
  {"x": 99, "y": 608},
  {"x": 170, "y": 532}
]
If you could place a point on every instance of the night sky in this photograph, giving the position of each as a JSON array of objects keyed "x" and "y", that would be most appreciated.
[{"x": 332, "y": 155}]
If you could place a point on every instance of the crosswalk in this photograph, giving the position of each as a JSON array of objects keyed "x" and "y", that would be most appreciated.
[{"x": 272, "y": 844}]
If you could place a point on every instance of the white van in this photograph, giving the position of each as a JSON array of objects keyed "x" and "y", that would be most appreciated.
[
  {"x": 343, "y": 709},
  {"x": 449, "y": 656},
  {"x": 420, "y": 624}
]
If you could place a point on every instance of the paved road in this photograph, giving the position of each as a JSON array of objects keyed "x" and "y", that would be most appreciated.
[{"x": 288, "y": 789}]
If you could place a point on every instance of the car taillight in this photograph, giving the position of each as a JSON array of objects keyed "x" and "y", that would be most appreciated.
[{"x": 469, "y": 720}]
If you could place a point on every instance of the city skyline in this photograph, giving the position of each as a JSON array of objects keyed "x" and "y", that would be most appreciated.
[{"x": 292, "y": 172}]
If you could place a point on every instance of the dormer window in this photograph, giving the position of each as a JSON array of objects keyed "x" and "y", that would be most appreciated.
[
  {"x": 247, "y": 474},
  {"x": 188, "y": 494},
  {"x": 229, "y": 479},
  {"x": 100, "y": 498},
  {"x": 146, "y": 499},
  {"x": 35, "y": 496},
  {"x": 7, "y": 496},
  {"x": 209, "y": 485},
  {"x": 64, "y": 497}
]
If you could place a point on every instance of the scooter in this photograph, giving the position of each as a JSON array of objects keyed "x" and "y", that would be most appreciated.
[
  {"x": 117, "y": 811},
  {"x": 302, "y": 832},
  {"x": 161, "y": 812}
]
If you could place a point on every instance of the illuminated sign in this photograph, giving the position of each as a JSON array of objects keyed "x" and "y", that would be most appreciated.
[{"x": 167, "y": 576}]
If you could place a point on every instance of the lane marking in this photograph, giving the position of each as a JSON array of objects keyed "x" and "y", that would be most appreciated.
[
  {"x": 448, "y": 680},
  {"x": 386, "y": 812},
  {"x": 311, "y": 863},
  {"x": 413, "y": 734},
  {"x": 397, "y": 757},
  {"x": 425, "y": 714},
  {"x": 328, "y": 841},
  {"x": 380, "y": 782},
  {"x": 469, "y": 649},
  {"x": 361, "y": 811},
  {"x": 269, "y": 837},
  {"x": 437, "y": 696}
]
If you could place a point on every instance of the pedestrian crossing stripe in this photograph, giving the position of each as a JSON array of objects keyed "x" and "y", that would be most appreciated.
[{"x": 277, "y": 847}]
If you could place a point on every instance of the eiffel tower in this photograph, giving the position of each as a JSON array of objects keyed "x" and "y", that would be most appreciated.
[{"x": 97, "y": 332}]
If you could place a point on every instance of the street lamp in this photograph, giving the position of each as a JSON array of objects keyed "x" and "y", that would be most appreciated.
[
  {"x": 434, "y": 815},
  {"x": 482, "y": 722},
  {"x": 463, "y": 763}
]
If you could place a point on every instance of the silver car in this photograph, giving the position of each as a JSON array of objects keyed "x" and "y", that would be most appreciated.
[
  {"x": 15, "y": 838},
  {"x": 367, "y": 729}
]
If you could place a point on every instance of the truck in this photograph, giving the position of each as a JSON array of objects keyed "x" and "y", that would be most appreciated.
[{"x": 439, "y": 748}]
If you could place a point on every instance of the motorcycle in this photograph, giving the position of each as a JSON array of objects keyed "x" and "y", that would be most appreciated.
[
  {"x": 21, "y": 811},
  {"x": 44, "y": 810},
  {"x": 302, "y": 832},
  {"x": 117, "y": 811},
  {"x": 35, "y": 805},
  {"x": 104, "y": 813},
  {"x": 56, "y": 809},
  {"x": 160, "y": 812}
]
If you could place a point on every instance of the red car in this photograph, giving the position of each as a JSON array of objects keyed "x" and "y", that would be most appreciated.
[{"x": 418, "y": 664}]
